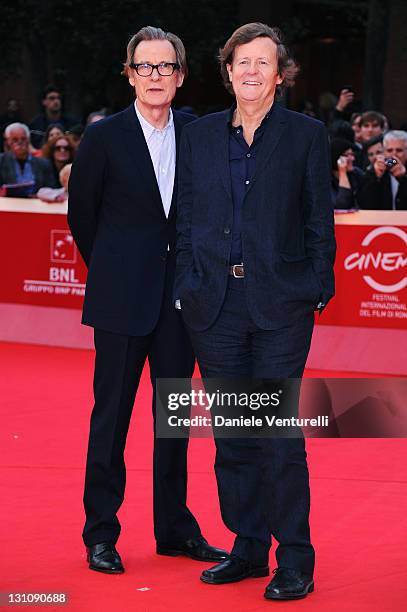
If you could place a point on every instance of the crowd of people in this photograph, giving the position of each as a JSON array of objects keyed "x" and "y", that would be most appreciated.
[
  {"x": 368, "y": 158},
  {"x": 37, "y": 157}
]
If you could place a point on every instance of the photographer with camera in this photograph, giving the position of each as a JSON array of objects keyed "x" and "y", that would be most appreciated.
[
  {"x": 372, "y": 149},
  {"x": 384, "y": 186},
  {"x": 346, "y": 178}
]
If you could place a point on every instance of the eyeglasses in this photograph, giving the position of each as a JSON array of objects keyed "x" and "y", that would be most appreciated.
[
  {"x": 17, "y": 141},
  {"x": 61, "y": 148},
  {"x": 163, "y": 69},
  {"x": 52, "y": 98}
]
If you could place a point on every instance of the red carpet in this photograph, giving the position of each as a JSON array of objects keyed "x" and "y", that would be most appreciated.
[{"x": 359, "y": 502}]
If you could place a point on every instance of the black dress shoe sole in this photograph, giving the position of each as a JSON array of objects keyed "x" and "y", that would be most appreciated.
[
  {"x": 258, "y": 572},
  {"x": 174, "y": 552},
  {"x": 106, "y": 571},
  {"x": 287, "y": 596}
]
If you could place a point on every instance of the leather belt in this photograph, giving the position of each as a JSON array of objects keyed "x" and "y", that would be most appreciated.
[{"x": 237, "y": 270}]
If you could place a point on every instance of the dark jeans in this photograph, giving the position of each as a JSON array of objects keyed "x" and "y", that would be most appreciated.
[
  {"x": 119, "y": 363},
  {"x": 263, "y": 483}
]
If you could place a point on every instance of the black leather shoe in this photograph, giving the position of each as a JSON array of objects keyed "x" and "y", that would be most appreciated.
[
  {"x": 289, "y": 584},
  {"x": 197, "y": 549},
  {"x": 233, "y": 570},
  {"x": 103, "y": 557}
]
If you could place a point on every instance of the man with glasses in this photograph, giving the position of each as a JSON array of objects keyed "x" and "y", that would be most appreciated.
[
  {"x": 384, "y": 186},
  {"x": 122, "y": 196},
  {"x": 52, "y": 104},
  {"x": 23, "y": 173}
]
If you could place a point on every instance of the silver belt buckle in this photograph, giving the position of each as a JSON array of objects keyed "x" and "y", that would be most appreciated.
[{"x": 234, "y": 270}]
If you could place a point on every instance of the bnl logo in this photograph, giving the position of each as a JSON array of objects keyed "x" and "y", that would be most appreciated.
[{"x": 63, "y": 248}]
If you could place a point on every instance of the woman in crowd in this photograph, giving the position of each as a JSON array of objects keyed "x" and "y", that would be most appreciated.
[
  {"x": 53, "y": 131},
  {"x": 60, "y": 152},
  {"x": 346, "y": 178}
]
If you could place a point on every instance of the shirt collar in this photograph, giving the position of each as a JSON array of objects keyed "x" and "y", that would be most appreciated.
[
  {"x": 233, "y": 108},
  {"x": 27, "y": 159},
  {"x": 149, "y": 129}
]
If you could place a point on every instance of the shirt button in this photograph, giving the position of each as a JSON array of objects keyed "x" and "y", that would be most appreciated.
[
  {"x": 226, "y": 230},
  {"x": 248, "y": 155},
  {"x": 247, "y": 182},
  {"x": 237, "y": 131}
]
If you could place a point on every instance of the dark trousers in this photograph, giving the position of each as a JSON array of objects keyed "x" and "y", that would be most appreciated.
[
  {"x": 263, "y": 483},
  {"x": 119, "y": 363}
]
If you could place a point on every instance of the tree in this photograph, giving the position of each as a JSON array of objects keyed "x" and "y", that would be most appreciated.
[{"x": 80, "y": 46}]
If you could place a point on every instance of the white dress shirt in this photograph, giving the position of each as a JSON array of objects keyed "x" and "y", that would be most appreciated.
[{"x": 161, "y": 145}]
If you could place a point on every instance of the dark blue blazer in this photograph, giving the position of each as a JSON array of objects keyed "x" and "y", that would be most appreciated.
[
  {"x": 118, "y": 222},
  {"x": 287, "y": 221}
]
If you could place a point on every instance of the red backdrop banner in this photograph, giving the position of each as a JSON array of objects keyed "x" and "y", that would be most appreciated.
[
  {"x": 370, "y": 272},
  {"x": 43, "y": 265}
]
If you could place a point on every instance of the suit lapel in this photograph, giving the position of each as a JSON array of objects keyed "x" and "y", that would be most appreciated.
[
  {"x": 10, "y": 168},
  {"x": 220, "y": 151},
  {"x": 271, "y": 137},
  {"x": 139, "y": 155}
]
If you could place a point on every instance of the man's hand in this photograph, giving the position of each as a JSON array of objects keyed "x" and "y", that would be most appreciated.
[
  {"x": 379, "y": 166},
  {"x": 345, "y": 98},
  {"x": 398, "y": 170}
]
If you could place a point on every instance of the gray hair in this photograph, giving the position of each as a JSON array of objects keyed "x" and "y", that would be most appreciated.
[
  {"x": 16, "y": 126},
  {"x": 395, "y": 135},
  {"x": 152, "y": 33}
]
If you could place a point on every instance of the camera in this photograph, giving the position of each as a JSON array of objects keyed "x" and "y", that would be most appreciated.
[{"x": 390, "y": 162}]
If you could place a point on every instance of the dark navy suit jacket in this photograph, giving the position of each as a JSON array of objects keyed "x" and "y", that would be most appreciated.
[
  {"x": 118, "y": 222},
  {"x": 287, "y": 221}
]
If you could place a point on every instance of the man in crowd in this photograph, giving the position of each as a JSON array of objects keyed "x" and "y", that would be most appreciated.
[
  {"x": 122, "y": 198},
  {"x": 52, "y": 104},
  {"x": 18, "y": 166},
  {"x": 371, "y": 124},
  {"x": 384, "y": 185}
]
